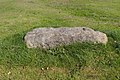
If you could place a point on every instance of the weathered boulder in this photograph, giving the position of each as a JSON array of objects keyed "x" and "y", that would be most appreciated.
[{"x": 52, "y": 37}]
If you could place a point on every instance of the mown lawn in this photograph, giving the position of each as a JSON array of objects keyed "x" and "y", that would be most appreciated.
[{"x": 78, "y": 61}]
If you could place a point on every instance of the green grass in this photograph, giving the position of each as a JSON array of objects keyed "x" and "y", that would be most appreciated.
[{"x": 78, "y": 61}]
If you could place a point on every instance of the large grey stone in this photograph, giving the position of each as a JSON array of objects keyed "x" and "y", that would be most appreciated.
[{"x": 52, "y": 37}]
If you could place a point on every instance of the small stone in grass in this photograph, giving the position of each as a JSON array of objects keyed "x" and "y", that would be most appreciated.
[{"x": 52, "y": 37}]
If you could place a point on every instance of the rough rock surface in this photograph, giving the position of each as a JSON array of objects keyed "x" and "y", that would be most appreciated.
[{"x": 52, "y": 37}]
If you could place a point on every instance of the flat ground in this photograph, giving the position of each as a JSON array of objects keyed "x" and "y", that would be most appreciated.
[{"x": 79, "y": 61}]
